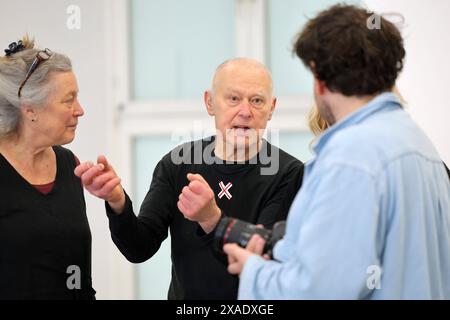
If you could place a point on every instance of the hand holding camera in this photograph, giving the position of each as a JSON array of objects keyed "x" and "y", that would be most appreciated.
[{"x": 232, "y": 230}]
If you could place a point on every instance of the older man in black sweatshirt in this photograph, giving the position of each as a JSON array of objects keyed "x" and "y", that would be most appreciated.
[{"x": 235, "y": 173}]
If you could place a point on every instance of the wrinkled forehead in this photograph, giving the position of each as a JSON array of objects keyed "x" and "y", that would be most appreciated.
[
  {"x": 63, "y": 82},
  {"x": 245, "y": 75}
]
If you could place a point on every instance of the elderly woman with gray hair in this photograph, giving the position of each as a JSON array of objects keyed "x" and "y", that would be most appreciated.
[{"x": 45, "y": 240}]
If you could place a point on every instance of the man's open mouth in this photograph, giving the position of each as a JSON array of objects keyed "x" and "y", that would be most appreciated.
[{"x": 241, "y": 128}]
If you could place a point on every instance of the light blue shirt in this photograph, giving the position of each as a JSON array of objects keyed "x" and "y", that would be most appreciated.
[{"x": 371, "y": 221}]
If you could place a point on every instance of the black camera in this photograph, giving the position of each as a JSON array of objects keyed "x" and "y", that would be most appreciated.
[{"x": 232, "y": 230}]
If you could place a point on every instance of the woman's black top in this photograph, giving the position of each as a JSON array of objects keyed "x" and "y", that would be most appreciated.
[{"x": 45, "y": 240}]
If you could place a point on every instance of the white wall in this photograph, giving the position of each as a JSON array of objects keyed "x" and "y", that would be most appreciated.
[
  {"x": 425, "y": 82},
  {"x": 46, "y": 21}
]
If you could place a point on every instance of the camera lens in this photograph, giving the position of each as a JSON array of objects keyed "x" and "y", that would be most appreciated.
[{"x": 231, "y": 230}]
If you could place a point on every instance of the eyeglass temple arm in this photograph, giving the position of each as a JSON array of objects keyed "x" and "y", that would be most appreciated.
[{"x": 30, "y": 71}]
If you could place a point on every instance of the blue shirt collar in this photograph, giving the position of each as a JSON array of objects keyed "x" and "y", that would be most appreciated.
[{"x": 381, "y": 102}]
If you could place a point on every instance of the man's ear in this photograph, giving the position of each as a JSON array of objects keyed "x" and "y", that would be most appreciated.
[
  {"x": 208, "y": 102},
  {"x": 272, "y": 108},
  {"x": 319, "y": 87}
]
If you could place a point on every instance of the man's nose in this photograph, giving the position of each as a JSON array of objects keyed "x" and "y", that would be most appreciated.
[{"x": 244, "y": 109}]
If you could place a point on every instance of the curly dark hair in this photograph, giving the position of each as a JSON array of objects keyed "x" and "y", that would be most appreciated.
[{"x": 351, "y": 58}]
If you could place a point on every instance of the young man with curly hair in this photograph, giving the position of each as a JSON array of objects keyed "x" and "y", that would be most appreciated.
[{"x": 372, "y": 220}]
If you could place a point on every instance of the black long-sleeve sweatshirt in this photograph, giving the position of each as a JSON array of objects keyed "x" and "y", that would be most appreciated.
[{"x": 198, "y": 271}]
